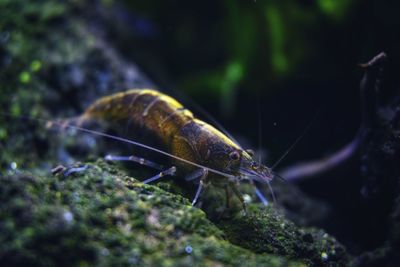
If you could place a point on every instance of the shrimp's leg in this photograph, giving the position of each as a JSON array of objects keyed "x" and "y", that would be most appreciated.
[
  {"x": 260, "y": 196},
  {"x": 228, "y": 198},
  {"x": 133, "y": 158},
  {"x": 72, "y": 170},
  {"x": 239, "y": 196},
  {"x": 202, "y": 173},
  {"x": 68, "y": 171},
  {"x": 194, "y": 175},
  {"x": 170, "y": 171}
]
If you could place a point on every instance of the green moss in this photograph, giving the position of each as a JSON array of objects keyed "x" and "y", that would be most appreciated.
[
  {"x": 39, "y": 40},
  {"x": 101, "y": 216},
  {"x": 265, "y": 230}
]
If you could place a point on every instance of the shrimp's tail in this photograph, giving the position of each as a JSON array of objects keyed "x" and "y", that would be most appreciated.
[{"x": 62, "y": 124}]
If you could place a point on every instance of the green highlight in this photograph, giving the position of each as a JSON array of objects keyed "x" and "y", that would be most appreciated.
[
  {"x": 233, "y": 74},
  {"x": 279, "y": 60},
  {"x": 36, "y": 65},
  {"x": 15, "y": 110},
  {"x": 334, "y": 8},
  {"x": 25, "y": 77},
  {"x": 3, "y": 134}
]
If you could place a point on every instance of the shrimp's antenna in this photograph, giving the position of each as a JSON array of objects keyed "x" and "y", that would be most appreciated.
[
  {"x": 272, "y": 192},
  {"x": 260, "y": 195},
  {"x": 121, "y": 139},
  {"x": 279, "y": 177},
  {"x": 295, "y": 142},
  {"x": 114, "y": 137},
  {"x": 259, "y": 131}
]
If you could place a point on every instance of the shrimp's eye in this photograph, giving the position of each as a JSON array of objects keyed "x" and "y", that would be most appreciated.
[{"x": 234, "y": 155}]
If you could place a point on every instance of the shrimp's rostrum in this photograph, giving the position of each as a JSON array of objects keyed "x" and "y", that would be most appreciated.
[{"x": 198, "y": 151}]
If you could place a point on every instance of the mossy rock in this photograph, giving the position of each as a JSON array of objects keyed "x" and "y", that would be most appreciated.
[
  {"x": 266, "y": 230},
  {"x": 103, "y": 217}
]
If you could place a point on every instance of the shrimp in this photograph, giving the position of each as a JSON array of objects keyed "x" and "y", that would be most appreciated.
[{"x": 198, "y": 151}]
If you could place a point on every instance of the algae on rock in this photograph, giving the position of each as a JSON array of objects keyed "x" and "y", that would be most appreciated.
[{"x": 102, "y": 216}]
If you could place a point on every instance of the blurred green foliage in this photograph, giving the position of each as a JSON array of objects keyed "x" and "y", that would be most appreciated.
[
  {"x": 336, "y": 9},
  {"x": 225, "y": 45},
  {"x": 270, "y": 34}
]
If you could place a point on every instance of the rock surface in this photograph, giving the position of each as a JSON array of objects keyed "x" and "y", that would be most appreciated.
[{"x": 101, "y": 216}]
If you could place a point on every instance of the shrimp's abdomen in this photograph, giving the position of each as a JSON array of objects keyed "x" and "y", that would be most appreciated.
[{"x": 146, "y": 109}]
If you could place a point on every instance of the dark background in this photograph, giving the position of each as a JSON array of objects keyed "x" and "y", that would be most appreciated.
[{"x": 295, "y": 62}]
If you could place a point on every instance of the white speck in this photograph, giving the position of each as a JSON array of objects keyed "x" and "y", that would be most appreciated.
[
  {"x": 189, "y": 249},
  {"x": 76, "y": 197},
  {"x": 133, "y": 260},
  {"x": 71, "y": 131},
  {"x": 68, "y": 217},
  {"x": 104, "y": 252},
  {"x": 14, "y": 165},
  {"x": 154, "y": 218},
  {"x": 90, "y": 141},
  {"x": 325, "y": 235},
  {"x": 324, "y": 256},
  {"x": 246, "y": 198},
  {"x": 275, "y": 124}
]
